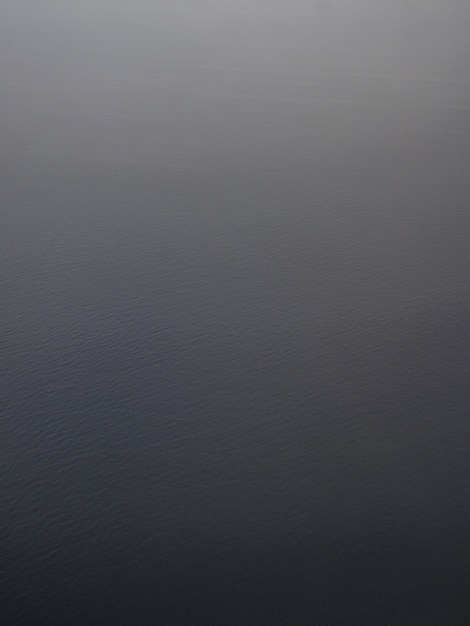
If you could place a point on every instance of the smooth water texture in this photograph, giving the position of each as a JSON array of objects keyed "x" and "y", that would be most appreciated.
[{"x": 235, "y": 312}]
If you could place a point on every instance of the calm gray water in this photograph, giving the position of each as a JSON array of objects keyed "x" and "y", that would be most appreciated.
[{"x": 235, "y": 312}]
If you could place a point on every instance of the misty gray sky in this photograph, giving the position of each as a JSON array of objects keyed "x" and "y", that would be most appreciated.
[{"x": 107, "y": 30}]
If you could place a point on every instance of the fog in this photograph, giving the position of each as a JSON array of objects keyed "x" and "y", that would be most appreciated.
[
  {"x": 425, "y": 34},
  {"x": 121, "y": 55}
]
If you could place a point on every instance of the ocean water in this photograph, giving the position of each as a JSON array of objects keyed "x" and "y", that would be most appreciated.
[{"x": 234, "y": 314}]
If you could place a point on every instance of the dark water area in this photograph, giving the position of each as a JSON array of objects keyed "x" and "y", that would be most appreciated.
[{"x": 234, "y": 323}]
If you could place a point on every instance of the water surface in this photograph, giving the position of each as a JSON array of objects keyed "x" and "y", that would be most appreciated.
[{"x": 234, "y": 323}]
